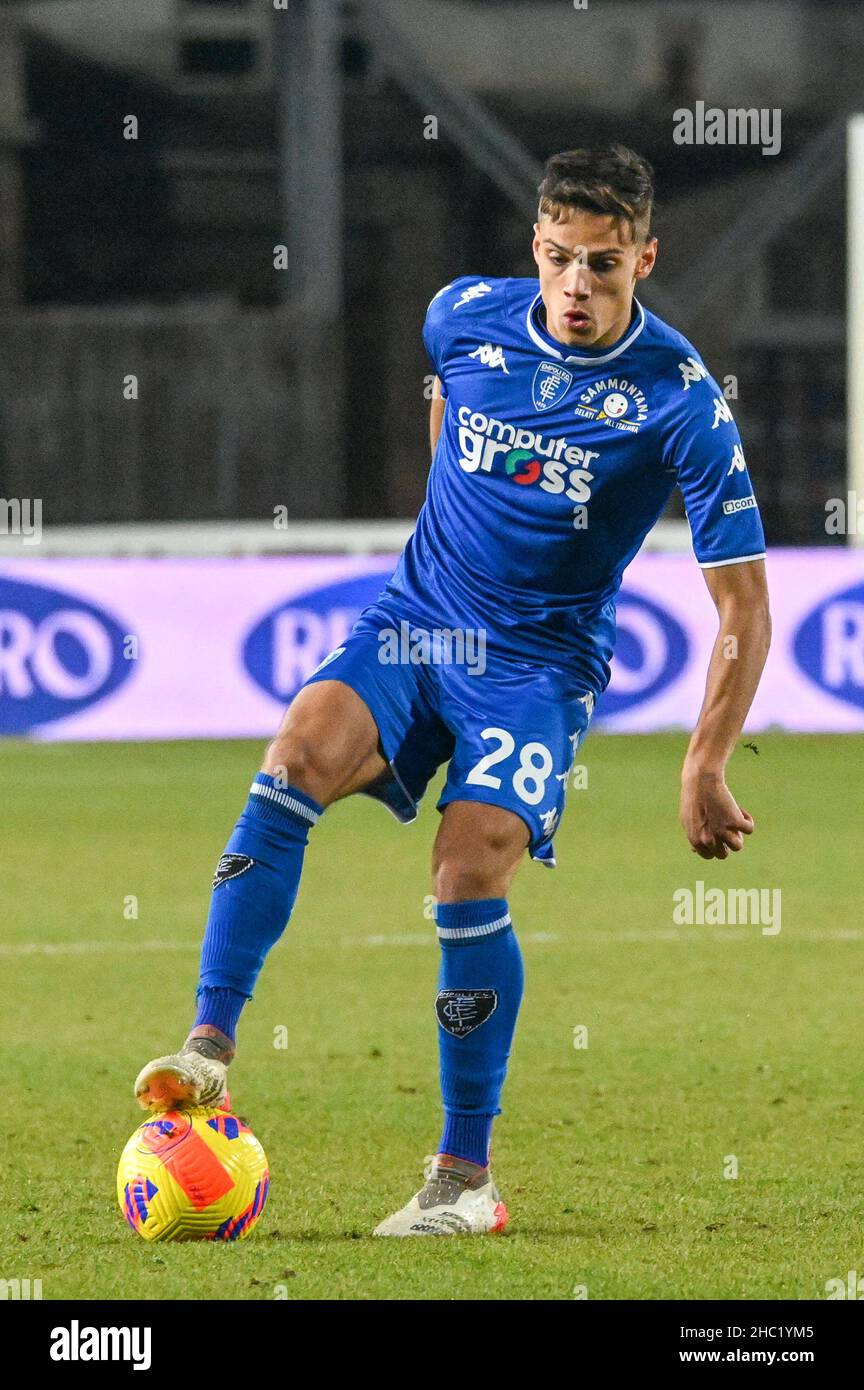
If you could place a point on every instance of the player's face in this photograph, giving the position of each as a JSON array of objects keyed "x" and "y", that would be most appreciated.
[{"x": 589, "y": 265}]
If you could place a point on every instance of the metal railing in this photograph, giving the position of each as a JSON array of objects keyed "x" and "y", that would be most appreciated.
[{"x": 161, "y": 412}]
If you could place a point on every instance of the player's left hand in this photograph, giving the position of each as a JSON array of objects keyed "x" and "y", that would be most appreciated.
[{"x": 713, "y": 821}]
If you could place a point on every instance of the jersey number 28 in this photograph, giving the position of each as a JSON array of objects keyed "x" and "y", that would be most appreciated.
[{"x": 532, "y": 774}]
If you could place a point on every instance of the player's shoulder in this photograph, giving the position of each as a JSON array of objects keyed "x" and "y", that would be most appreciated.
[
  {"x": 688, "y": 402},
  {"x": 676, "y": 363},
  {"x": 480, "y": 297}
]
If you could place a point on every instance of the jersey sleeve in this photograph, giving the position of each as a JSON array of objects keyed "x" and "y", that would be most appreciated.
[
  {"x": 701, "y": 444},
  {"x": 440, "y": 327}
]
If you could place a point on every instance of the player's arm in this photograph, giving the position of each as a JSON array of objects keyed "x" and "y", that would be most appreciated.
[
  {"x": 436, "y": 415},
  {"x": 712, "y": 820}
]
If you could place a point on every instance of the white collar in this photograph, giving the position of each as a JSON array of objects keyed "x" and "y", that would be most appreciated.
[{"x": 593, "y": 360}]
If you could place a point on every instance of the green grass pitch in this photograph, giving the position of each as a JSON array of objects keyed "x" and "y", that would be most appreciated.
[{"x": 703, "y": 1042}]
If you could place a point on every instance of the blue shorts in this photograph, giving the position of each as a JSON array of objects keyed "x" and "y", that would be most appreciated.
[{"x": 509, "y": 729}]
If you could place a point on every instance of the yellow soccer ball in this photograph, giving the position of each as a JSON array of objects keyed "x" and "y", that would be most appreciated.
[{"x": 197, "y": 1174}]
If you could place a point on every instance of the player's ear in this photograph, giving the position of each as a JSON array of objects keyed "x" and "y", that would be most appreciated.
[
  {"x": 647, "y": 257},
  {"x": 535, "y": 245}
]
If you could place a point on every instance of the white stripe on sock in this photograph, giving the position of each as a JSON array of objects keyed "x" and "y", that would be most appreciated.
[
  {"x": 485, "y": 929},
  {"x": 283, "y": 799}
]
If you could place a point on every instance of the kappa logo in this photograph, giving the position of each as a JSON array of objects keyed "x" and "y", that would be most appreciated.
[
  {"x": 737, "y": 465},
  {"x": 460, "y": 1011},
  {"x": 473, "y": 292},
  {"x": 615, "y": 402},
  {"x": 231, "y": 866},
  {"x": 550, "y": 383},
  {"x": 691, "y": 372},
  {"x": 491, "y": 356}
]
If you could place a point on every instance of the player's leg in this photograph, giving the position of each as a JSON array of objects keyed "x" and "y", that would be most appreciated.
[
  {"x": 477, "y": 851},
  {"x": 516, "y": 732},
  {"x": 326, "y": 748}
]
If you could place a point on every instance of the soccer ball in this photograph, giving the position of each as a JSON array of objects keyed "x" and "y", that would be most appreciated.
[{"x": 197, "y": 1174}]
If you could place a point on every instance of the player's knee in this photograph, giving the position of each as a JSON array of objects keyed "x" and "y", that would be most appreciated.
[
  {"x": 472, "y": 871},
  {"x": 299, "y": 762},
  {"x": 477, "y": 852},
  {"x": 457, "y": 881}
]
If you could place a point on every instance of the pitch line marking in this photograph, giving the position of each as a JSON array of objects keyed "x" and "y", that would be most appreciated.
[
  {"x": 732, "y": 934},
  {"x": 84, "y": 948}
]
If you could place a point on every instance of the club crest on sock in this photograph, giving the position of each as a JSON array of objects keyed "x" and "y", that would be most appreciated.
[
  {"x": 460, "y": 1011},
  {"x": 231, "y": 866}
]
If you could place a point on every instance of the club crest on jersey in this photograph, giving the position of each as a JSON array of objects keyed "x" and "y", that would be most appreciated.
[
  {"x": 460, "y": 1011},
  {"x": 550, "y": 383},
  {"x": 614, "y": 402}
]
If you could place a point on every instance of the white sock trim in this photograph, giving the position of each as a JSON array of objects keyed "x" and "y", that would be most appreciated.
[
  {"x": 484, "y": 929},
  {"x": 290, "y": 803}
]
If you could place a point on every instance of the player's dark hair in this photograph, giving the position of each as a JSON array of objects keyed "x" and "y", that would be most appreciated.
[{"x": 611, "y": 180}]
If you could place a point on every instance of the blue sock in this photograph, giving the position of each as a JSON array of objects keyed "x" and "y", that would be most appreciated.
[
  {"x": 219, "y": 1008},
  {"x": 254, "y": 890},
  {"x": 479, "y": 993}
]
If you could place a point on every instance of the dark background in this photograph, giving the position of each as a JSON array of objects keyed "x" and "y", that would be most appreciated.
[{"x": 306, "y": 387}]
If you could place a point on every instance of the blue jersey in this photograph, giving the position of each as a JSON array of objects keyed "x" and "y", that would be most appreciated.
[{"x": 552, "y": 466}]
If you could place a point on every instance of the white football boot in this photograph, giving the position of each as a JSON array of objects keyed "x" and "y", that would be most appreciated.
[
  {"x": 457, "y": 1199},
  {"x": 196, "y": 1075}
]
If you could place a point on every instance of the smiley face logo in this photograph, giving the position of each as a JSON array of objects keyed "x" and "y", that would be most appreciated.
[{"x": 615, "y": 405}]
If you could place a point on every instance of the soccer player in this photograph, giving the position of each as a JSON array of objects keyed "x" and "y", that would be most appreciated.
[{"x": 564, "y": 414}]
